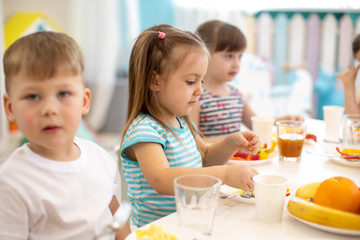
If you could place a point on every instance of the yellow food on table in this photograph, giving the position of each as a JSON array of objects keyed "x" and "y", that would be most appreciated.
[
  {"x": 323, "y": 215},
  {"x": 239, "y": 191},
  {"x": 302, "y": 205},
  {"x": 307, "y": 191},
  {"x": 154, "y": 232},
  {"x": 351, "y": 151}
]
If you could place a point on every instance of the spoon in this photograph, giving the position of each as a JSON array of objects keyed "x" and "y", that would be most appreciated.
[
  {"x": 244, "y": 195},
  {"x": 121, "y": 216}
]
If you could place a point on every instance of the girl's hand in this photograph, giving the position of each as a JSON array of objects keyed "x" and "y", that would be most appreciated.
[
  {"x": 348, "y": 75},
  {"x": 247, "y": 141},
  {"x": 240, "y": 176}
]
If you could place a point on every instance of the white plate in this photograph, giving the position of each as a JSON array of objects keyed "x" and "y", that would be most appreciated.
[
  {"x": 272, "y": 156},
  {"x": 325, "y": 228},
  {"x": 227, "y": 190},
  {"x": 340, "y": 160},
  {"x": 181, "y": 233}
]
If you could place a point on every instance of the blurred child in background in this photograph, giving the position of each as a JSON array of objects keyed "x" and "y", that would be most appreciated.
[
  {"x": 221, "y": 108},
  {"x": 351, "y": 81}
]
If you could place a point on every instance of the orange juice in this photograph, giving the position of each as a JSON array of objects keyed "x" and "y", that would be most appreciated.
[{"x": 290, "y": 145}]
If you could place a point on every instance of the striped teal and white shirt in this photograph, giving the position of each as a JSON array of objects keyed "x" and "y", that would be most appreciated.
[{"x": 148, "y": 205}]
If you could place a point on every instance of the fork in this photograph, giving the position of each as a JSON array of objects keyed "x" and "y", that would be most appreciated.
[
  {"x": 247, "y": 194},
  {"x": 120, "y": 218}
]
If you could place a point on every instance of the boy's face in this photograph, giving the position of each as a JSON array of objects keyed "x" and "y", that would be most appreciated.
[
  {"x": 224, "y": 65},
  {"x": 48, "y": 112}
]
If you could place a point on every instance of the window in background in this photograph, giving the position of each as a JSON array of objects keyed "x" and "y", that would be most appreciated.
[{"x": 258, "y": 5}]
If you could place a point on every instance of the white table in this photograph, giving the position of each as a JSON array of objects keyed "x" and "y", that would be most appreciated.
[{"x": 236, "y": 220}]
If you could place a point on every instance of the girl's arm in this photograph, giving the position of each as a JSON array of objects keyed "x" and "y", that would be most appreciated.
[
  {"x": 125, "y": 230},
  {"x": 160, "y": 175},
  {"x": 348, "y": 77},
  {"x": 220, "y": 152},
  {"x": 248, "y": 112}
]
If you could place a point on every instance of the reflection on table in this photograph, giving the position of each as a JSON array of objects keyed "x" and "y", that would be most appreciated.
[{"x": 236, "y": 220}]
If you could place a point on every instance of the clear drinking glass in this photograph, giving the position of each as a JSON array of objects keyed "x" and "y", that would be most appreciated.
[
  {"x": 290, "y": 140},
  {"x": 351, "y": 131},
  {"x": 196, "y": 197}
]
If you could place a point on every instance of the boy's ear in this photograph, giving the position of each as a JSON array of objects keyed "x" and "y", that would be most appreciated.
[
  {"x": 8, "y": 108},
  {"x": 86, "y": 101},
  {"x": 155, "y": 83}
]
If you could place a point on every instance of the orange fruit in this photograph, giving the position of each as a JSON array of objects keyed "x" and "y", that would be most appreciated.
[{"x": 340, "y": 193}]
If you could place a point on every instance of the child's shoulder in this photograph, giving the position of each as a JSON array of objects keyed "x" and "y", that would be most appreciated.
[
  {"x": 143, "y": 120},
  {"x": 234, "y": 90},
  {"x": 16, "y": 158}
]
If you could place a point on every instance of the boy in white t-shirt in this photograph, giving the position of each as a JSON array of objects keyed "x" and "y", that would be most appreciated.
[{"x": 57, "y": 186}]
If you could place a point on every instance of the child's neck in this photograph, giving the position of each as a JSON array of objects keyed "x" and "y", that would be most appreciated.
[
  {"x": 66, "y": 154},
  {"x": 217, "y": 88}
]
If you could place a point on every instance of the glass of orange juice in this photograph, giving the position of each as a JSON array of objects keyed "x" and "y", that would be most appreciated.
[{"x": 290, "y": 140}]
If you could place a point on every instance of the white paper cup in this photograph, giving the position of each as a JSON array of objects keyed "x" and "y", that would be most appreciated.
[
  {"x": 270, "y": 191},
  {"x": 332, "y": 117},
  {"x": 196, "y": 198},
  {"x": 263, "y": 127}
]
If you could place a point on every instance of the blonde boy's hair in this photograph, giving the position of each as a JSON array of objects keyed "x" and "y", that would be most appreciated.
[
  {"x": 152, "y": 55},
  {"x": 221, "y": 36},
  {"x": 42, "y": 55}
]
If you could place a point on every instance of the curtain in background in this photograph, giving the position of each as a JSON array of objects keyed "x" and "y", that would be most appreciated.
[
  {"x": 110, "y": 26},
  {"x": 100, "y": 39}
]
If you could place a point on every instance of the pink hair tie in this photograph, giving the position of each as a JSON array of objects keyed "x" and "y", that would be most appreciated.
[{"x": 161, "y": 35}]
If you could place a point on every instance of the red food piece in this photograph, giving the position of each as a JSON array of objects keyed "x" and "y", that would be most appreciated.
[
  {"x": 253, "y": 157},
  {"x": 242, "y": 155},
  {"x": 287, "y": 192},
  {"x": 311, "y": 136}
]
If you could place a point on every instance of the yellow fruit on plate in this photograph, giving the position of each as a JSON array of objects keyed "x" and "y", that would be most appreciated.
[
  {"x": 307, "y": 191},
  {"x": 323, "y": 215}
]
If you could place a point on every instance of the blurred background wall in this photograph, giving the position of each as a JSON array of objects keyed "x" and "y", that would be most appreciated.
[{"x": 294, "y": 49}]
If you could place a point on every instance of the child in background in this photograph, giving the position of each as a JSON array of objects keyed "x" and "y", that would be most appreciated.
[
  {"x": 221, "y": 108},
  {"x": 351, "y": 81},
  {"x": 57, "y": 186},
  {"x": 159, "y": 142}
]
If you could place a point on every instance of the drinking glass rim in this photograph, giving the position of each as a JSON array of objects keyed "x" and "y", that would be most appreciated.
[
  {"x": 291, "y": 122},
  {"x": 218, "y": 182}
]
